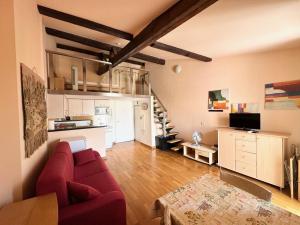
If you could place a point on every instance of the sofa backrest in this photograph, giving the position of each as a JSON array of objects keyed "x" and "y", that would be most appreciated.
[{"x": 58, "y": 170}]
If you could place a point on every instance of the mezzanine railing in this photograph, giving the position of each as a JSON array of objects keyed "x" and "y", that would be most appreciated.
[{"x": 73, "y": 74}]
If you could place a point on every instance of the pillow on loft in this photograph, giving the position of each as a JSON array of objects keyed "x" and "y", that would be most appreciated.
[
  {"x": 84, "y": 157},
  {"x": 82, "y": 192}
]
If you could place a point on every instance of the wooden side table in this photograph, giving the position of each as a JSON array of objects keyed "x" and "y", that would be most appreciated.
[
  {"x": 33, "y": 211},
  {"x": 201, "y": 153}
]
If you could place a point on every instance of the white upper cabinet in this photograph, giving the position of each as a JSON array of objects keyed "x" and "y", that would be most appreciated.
[
  {"x": 88, "y": 107},
  {"x": 75, "y": 107},
  {"x": 55, "y": 106}
]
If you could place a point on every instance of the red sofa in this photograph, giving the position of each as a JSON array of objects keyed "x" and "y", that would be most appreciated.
[{"x": 109, "y": 208}]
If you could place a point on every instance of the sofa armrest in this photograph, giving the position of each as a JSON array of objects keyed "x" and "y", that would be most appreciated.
[{"x": 108, "y": 209}]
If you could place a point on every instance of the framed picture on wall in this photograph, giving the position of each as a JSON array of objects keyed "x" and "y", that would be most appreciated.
[
  {"x": 282, "y": 95},
  {"x": 218, "y": 100}
]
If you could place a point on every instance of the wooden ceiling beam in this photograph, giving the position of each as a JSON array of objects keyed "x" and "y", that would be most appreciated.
[
  {"x": 173, "y": 17},
  {"x": 83, "y": 22},
  {"x": 114, "y": 32},
  {"x": 75, "y": 49},
  {"x": 100, "y": 45},
  {"x": 78, "y": 39},
  {"x": 101, "y": 55},
  {"x": 180, "y": 51}
]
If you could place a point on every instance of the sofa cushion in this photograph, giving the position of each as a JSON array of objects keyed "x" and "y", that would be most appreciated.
[
  {"x": 64, "y": 148},
  {"x": 90, "y": 168},
  {"x": 103, "y": 182},
  {"x": 84, "y": 156},
  {"x": 82, "y": 192},
  {"x": 57, "y": 171}
]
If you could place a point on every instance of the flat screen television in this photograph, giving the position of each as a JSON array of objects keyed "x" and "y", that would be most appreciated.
[{"x": 245, "y": 121}]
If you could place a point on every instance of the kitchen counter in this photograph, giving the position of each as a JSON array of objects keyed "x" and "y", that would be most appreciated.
[{"x": 76, "y": 128}]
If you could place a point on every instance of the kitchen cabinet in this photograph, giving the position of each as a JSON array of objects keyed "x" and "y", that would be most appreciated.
[
  {"x": 55, "y": 106},
  {"x": 226, "y": 153},
  {"x": 77, "y": 107},
  {"x": 74, "y": 107},
  {"x": 102, "y": 103},
  {"x": 88, "y": 107}
]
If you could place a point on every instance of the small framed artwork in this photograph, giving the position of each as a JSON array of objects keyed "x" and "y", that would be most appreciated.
[
  {"x": 218, "y": 100},
  {"x": 244, "y": 108}
]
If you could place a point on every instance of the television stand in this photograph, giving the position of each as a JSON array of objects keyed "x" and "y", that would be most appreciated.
[{"x": 201, "y": 153}]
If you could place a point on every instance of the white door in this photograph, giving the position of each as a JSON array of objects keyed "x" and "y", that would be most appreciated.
[
  {"x": 124, "y": 124},
  {"x": 75, "y": 107},
  {"x": 88, "y": 107},
  {"x": 139, "y": 123},
  {"x": 226, "y": 151}
]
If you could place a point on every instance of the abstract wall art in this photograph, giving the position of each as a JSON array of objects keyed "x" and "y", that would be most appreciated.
[
  {"x": 218, "y": 100},
  {"x": 244, "y": 108},
  {"x": 34, "y": 110},
  {"x": 282, "y": 95}
]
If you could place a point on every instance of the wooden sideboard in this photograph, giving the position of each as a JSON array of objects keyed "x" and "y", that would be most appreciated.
[
  {"x": 258, "y": 155},
  {"x": 34, "y": 211}
]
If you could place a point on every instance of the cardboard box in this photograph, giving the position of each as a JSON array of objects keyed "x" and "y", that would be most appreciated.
[{"x": 59, "y": 83}]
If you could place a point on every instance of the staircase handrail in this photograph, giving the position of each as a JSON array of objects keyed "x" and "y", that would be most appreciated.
[{"x": 155, "y": 95}]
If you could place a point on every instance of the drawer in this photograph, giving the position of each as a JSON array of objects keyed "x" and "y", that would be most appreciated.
[
  {"x": 246, "y": 169},
  {"x": 246, "y": 157},
  {"x": 245, "y": 146},
  {"x": 245, "y": 137},
  {"x": 202, "y": 153}
]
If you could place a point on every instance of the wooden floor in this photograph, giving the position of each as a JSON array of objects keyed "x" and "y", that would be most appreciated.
[{"x": 146, "y": 174}]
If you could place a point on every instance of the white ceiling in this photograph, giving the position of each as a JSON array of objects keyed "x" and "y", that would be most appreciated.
[{"x": 228, "y": 27}]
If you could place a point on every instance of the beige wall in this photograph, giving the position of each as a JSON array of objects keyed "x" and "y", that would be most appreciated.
[
  {"x": 10, "y": 161},
  {"x": 30, "y": 51},
  {"x": 22, "y": 43},
  {"x": 185, "y": 95}
]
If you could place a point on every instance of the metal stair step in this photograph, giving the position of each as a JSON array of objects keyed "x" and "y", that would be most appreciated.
[
  {"x": 168, "y": 121},
  {"x": 174, "y": 141},
  {"x": 172, "y": 134},
  {"x": 176, "y": 148},
  {"x": 170, "y": 127}
]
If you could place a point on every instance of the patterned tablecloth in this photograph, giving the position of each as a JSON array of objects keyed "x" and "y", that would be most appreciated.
[{"x": 210, "y": 201}]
